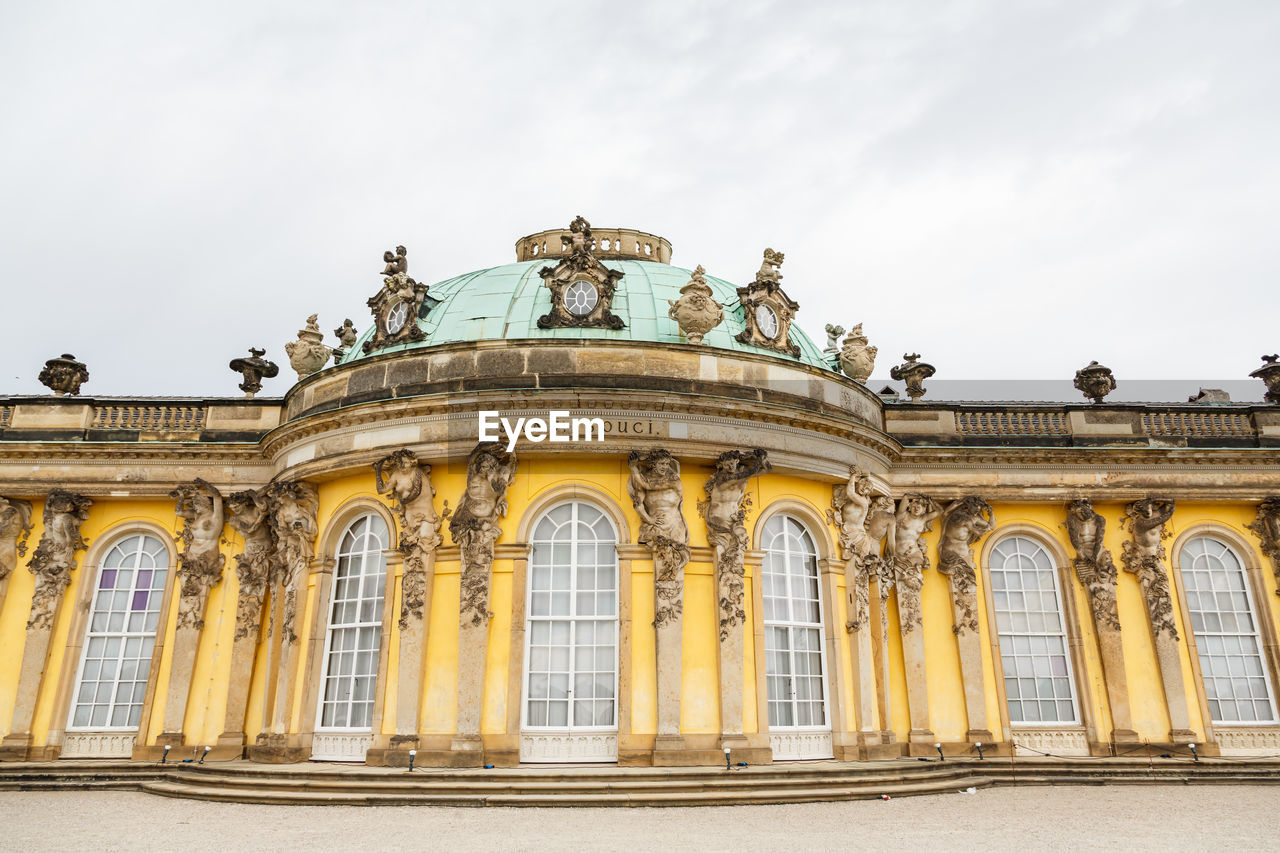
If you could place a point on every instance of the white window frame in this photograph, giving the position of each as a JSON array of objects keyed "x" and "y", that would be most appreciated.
[
  {"x": 767, "y": 541},
  {"x": 1004, "y": 637},
  {"x": 162, "y": 564},
  {"x": 573, "y": 618},
  {"x": 1184, "y": 561},
  {"x": 330, "y": 628}
]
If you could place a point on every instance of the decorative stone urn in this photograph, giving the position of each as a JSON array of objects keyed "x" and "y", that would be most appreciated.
[
  {"x": 1095, "y": 381},
  {"x": 1270, "y": 374},
  {"x": 308, "y": 354},
  {"x": 64, "y": 375},
  {"x": 857, "y": 359},
  {"x": 253, "y": 369},
  {"x": 695, "y": 311},
  {"x": 913, "y": 372}
]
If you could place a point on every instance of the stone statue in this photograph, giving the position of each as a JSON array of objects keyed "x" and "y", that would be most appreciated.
[
  {"x": 250, "y": 516},
  {"x": 308, "y": 354},
  {"x": 1144, "y": 556},
  {"x": 474, "y": 524},
  {"x": 408, "y": 482},
  {"x": 658, "y": 496},
  {"x": 582, "y": 288},
  {"x": 64, "y": 375},
  {"x": 695, "y": 311},
  {"x": 913, "y": 372},
  {"x": 1093, "y": 564},
  {"x": 396, "y": 263},
  {"x": 253, "y": 369},
  {"x": 833, "y": 334},
  {"x": 580, "y": 241},
  {"x": 55, "y": 556},
  {"x": 1095, "y": 381},
  {"x": 910, "y": 559},
  {"x": 769, "y": 268},
  {"x": 293, "y": 507},
  {"x": 1269, "y": 373},
  {"x": 850, "y": 506},
  {"x": 725, "y": 510},
  {"x": 346, "y": 334},
  {"x": 857, "y": 359},
  {"x": 15, "y": 527},
  {"x": 200, "y": 563},
  {"x": 1266, "y": 526},
  {"x": 964, "y": 522},
  {"x": 882, "y": 526}
]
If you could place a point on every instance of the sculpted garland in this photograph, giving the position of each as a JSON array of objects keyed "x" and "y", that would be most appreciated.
[{"x": 725, "y": 510}]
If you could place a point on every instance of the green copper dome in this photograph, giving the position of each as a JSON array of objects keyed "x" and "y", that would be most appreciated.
[{"x": 505, "y": 303}]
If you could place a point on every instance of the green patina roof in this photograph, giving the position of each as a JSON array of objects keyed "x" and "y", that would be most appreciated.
[{"x": 505, "y": 303}]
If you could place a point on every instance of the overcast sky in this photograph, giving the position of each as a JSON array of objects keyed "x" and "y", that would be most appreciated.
[{"x": 1010, "y": 189}]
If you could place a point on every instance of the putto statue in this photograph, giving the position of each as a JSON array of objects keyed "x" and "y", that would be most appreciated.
[
  {"x": 964, "y": 522},
  {"x": 308, "y": 353},
  {"x": 1144, "y": 556},
  {"x": 64, "y": 375},
  {"x": 913, "y": 372},
  {"x": 1267, "y": 527},
  {"x": 696, "y": 312},
  {"x": 857, "y": 359},
  {"x": 200, "y": 564},
  {"x": 407, "y": 482},
  {"x": 1095, "y": 381},
  {"x": 474, "y": 525},
  {"x": 395, "y": 263},
  {"x": 725, "y": 510},
  {"x": 395, "y": 306},
  {"x": 15, "y": 527},
  {"x": 346, "y": 335},
  {"x": 250, "y": 516},
  {"x": 769, "y": 267},
  {"x": 658, "y": 497},
  {"x": 253, "y": 370},
  {"x": 833, "y": 334},
  {"x": 1093, "y": 564},
  {"x": 55, "y": 556},
  {"x": 910, "y": 558},
  {"x": 580, "y": 241}
]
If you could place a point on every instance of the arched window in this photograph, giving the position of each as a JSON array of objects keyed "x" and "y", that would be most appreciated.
[
  {"x": 571, "y": 657},
  {"x": 795, "y": 656},
  {"x": 1220, "y": 605},
  {"x": 1038, "y": 682},
  {"x": 112, "y": 680},
  {"x": 354, "y": 633}
]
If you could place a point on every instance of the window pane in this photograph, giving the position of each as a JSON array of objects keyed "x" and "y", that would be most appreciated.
[{"x": 794, "y": 658}]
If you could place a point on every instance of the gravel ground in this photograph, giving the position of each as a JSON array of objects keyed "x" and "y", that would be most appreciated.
[{"x": 1147, "y": 817}]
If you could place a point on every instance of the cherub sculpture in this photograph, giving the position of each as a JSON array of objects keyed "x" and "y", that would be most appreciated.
[{"x": 769, "y": 268}]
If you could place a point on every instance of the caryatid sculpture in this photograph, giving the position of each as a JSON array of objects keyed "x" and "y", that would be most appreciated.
[
  {"x": 910, "y": 559},
  {"x": 293, "y": 521},
  {"x": 55, "y": 556},
  {"x": 250, "y": 516},
  {"x": 658, "y": 496},
  {"x": 725, "y": 510},
  {"x": 200, "y": 563},
  {"x": 964, "y": 522},
  {"x": 408, "y": 482},
  {"x": 15, "y": 527},
  {"x": 1144, "y": 556},
  {"x": 1093, "y": 564},
  {"x": 850, "y": 506},
  {"x": 1267, "y": 527},
  {"x": 474, "y": 525}
]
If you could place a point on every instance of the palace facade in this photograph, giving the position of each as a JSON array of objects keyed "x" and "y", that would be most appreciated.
[{"x": 706, "y": 533}]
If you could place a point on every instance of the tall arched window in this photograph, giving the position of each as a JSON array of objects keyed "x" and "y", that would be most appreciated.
[
  {"x": 1220, "y": 605},
  {"x": 1038, "y": 682},
  {"x": 571, "y": 657},
  {"x": 353, "y": 638},
  {"x": 112, "y": 680},
  {"x": 795, "y": 656}
]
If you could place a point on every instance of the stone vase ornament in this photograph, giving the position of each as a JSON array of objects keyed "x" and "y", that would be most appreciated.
[
  {"x": 64, "y": 375},
  {"x": 695, "y": 311},
  {"x": 856, "y": 358},
  {"x": 253, "y": 370},
  {"x": 1269, "y": 373},
  {"x": 1095, "y": 381},
  {"x": 308, "y": 353},
  {"x": 913, "y": 372}
]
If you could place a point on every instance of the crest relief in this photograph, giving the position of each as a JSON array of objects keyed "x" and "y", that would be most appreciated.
[
  {"x": 582, "y": 288},
  {"x": 767, "y": 311}
]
